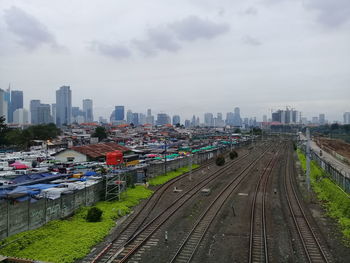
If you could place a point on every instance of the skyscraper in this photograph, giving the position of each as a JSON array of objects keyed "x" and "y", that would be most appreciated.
[
  {"x": 176, "y": 119},
  {"x": 53, "y": 112},
  {"x": 346, "y": 117},
  {"x": 119, "y": 113},
  {"x": 149, "y": 117},
  {"x": 135, "y": 119},
  {"x": 63, "y": 105},
  {"x": 162, "y": 119},
  {"x": 322, "y": 119},
  {"x": 20, "y": 116},
  {"x": 208, "y": 119},
  {"x": 44, "y": 114},
  {"x": 3, "y": 105},
  {"x": 88, "y": 110},
  {"x": 34, "y": 114},
  {"x": 237, "y": 117},
  {"x": 16, "y": 102},
  {"x": 129, "y": 116}
]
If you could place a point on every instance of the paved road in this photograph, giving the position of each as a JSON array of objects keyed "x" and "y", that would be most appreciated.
[{"x": 340, "y": 166}]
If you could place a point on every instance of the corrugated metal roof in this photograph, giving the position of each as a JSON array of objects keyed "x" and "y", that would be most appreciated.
[{"x": 99, "y": 149}]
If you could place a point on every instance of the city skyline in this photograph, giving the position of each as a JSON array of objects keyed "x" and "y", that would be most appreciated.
[{"x": 208, "y": 58}]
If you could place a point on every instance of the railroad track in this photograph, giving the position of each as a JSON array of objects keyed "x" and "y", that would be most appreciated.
[
  {"x": 123, "y": 248},
  {"x": 258, "y": 239},
  {"x": 191, "y": 242},
  {"x": 313, "y": 250}
]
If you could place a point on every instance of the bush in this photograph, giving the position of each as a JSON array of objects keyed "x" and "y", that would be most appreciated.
[
  {"x": 94, "y": 214},
  {"x": 233, "y": 155},
  {"x": 220, "y": 160}
]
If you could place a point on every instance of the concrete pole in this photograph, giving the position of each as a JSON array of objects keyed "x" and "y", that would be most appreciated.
[{"x": 308, "y": 158}]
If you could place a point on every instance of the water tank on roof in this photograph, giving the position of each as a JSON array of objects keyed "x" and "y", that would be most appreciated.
[{"x": 114, "y": 158}]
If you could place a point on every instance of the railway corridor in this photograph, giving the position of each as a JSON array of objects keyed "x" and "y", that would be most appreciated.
[{"x": 251, "y": 213}]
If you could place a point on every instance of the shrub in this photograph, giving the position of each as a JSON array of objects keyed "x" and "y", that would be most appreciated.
[
  {"x": 220, "y": 160},
  {"x": 233, "y": 155},
  {"x": 94, "y": 214}
]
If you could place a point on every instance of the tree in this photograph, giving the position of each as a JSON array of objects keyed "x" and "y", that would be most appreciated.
[
  {"x": 220, "y": 160},
  {"x": 237, "y": 130},
  {"x": 100, "y": 133},
  {"x": 3, "y": 130},
  {"x": 233, "y": 155},
  {"x": 94, "y": 214}
]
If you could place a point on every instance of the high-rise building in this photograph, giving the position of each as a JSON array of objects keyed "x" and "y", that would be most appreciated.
[
  {"x": 34, "y": 114},
  {"x": 8, "y": 101},
  {"x": 119, "y": 113},
  {"x": 88, "y": 110},
  {"x": 209, "y": 119},
  {"x": 149, "y": 117},
  {"x": 44, "y": 114},
  {"x": 315, "y": 120},
  {"x": 322, "y": 119},
  {"x": 129, "y": 116},
  {"x": 237, "y": 121},
  {"x": 229, "y": 118},
  {"x": 346, "y": 117},
  {"x": 16, "y": 103},
  {"x": 187, "y": 123},
  {"x": 53, "y": 112},
  {"x": 264, "y": 118},
  {"x": 135, "y": 119},
  {"x": 63, "y": 106},
  {"x": 176, "y": 119},
  {"x": 162, "y": 119},
  {"x": 21, "y": 116},
  {"x": 142, "y": 119},
  {"x": 3, "y": 105}
]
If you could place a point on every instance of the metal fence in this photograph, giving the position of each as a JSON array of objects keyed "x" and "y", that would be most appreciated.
[{"x": 334, "y": 174}]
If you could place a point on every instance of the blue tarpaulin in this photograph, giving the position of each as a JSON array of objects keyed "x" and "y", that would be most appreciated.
[{"x": 90, "y": 173}]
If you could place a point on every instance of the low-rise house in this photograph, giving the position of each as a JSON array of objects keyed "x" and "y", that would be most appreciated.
[{"x": 89, "y": 152}]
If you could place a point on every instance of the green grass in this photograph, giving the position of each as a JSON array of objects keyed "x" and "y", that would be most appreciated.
[
  {"x": 67, "y": 240},
  {"x": 161, "y": 179},
  {"x": 336, "y": 202}
]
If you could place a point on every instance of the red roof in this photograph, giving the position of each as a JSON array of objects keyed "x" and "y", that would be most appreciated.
[{"x": 99, "y": 149}]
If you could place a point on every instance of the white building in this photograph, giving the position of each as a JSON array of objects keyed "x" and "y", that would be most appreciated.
[
  {"x": 346, "y": 117},
  {"x": 21, "y": 116}
]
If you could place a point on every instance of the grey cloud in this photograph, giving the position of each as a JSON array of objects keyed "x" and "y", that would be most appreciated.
[
  {"x": 250, "y": 11},
  {"x": 193, "y": 28},
  {"x": 330, "y": 12},
  {"x": 252, "y": 41},
  {"x": 163, "y": 40},
  {"x": 145, "y": 47},
  {"x": 30, "y": 31},
  {"x": 157, "y": 39},
  {"x": 111, "y": 50}
]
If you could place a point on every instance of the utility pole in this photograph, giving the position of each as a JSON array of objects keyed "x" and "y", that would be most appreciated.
[
  {"x": 308, "y": 158},
  {"x": 165, "y": 152},
  {"x": 190, "y": 172}
]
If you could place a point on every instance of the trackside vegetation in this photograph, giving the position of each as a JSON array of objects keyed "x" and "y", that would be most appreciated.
[
  {"x": 65, "y": 241},
  {"x": 336, "y": 202},
  {"x": 161, "y": 179}
]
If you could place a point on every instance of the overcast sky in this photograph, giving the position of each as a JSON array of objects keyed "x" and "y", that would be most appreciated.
[{"x": 185, "y": 57}]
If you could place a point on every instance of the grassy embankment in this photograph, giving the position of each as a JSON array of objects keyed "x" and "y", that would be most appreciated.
[
  {"x": 336, "y": 202},
  {"x": 161, "y": 179},
  {"x": 67, "y": 240}
]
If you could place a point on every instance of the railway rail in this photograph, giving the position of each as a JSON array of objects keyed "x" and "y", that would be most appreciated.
[
  {"x": 258, "y": 238},
  {"x": 122, "y": 248},
  {"x": 313, "y": 249},
  {"x": 192, "y": 241}
]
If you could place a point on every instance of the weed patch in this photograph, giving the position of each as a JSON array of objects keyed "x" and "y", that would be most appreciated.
[{"x": 65, "y": 241}]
